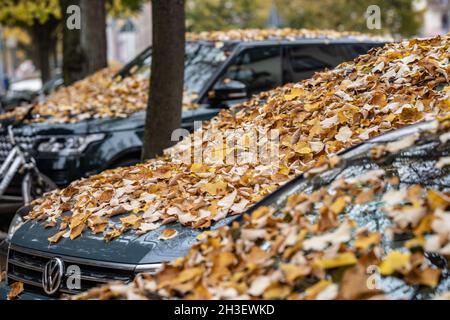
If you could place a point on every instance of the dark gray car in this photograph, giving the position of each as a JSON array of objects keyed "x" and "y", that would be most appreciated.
[{"x": 121, "y": 259}]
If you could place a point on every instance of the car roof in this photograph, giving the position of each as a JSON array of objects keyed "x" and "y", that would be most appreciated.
[
  {"x": 344, "y": 40},
  {"x": 287, "y": 35}
]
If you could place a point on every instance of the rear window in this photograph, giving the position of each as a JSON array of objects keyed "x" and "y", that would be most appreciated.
[{"x": 304, "y": 60}]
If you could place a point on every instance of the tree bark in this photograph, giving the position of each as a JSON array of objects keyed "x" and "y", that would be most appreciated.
[
  {"x": 43, "y": 37},
  {"x": 167, "y": 76},
  {"x": 74, "y": 60},
  {"x": 93, "y": 35}
]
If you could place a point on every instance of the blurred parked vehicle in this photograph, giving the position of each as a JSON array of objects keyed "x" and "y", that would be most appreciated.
[{"x": 28, "y": 91}]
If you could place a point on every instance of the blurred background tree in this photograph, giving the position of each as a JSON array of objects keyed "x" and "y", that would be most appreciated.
[
  {"x": 226, "y": 14},
  {"x": 42, "y": 20},
  {"x": 398, "y": 17}
]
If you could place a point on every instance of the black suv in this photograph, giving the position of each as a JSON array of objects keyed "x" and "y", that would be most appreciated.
[{"x": 219, "y": 74}]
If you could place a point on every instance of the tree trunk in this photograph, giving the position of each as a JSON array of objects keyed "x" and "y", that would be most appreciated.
[
  {"x": 167, "y": 76},
  {"x": 93, "y": 34},
  {"x": 73, "y": 57},
  {"x": 42, "y": 37}
]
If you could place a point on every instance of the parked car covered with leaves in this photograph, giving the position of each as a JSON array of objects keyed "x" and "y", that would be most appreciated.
[{"x": 153, "y": 212}]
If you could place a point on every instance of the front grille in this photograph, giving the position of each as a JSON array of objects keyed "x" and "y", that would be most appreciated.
[{"x": 27, "y": 266}]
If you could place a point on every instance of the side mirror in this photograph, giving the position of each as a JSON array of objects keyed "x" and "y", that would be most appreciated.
[{"x": 229, "y": 90}]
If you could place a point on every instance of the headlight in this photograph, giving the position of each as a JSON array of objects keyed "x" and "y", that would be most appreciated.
[
  {"x": 16, "y": 223},
  {"x": 68, "y": 144}
]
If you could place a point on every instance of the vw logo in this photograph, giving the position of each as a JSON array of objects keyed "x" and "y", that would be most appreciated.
[{"x": 52, "y": 276}]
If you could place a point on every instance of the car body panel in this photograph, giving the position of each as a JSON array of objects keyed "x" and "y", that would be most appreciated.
[{"x": 128, "y": 248}]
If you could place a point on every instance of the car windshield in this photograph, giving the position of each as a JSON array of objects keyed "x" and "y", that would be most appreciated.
[
  {"x": 384, "y": 206},
  {"x": 202, "y": 60}
]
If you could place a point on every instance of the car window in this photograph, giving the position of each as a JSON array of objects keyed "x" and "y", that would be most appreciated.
[
  {"x": 202, "y": 60},
  {"x": 352, "y": 50},
  {"x": 414, "y": 166},
  {"x": 258, "y": 68},
  {"x": 304, "y": 60}
]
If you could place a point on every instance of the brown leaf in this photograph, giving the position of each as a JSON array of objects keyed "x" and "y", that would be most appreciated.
[{"x": 15, "y": 290}]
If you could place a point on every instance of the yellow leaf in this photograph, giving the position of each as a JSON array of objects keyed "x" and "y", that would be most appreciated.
[
  {"x": 394, "y": 261},
  {"x": 197, "y": 167},
  {"x": 364, "y": 242},
  {"x": 115, "y": 233},
  {"x": 341, "y": 260},
  {"x": 317, "y": 288},
  {"x": 295, "y": 92},
  {"x": 131, "y": 221},
  {"x": 188, "y": 274},
  {"x": 302, "y": 147},
  {"x": 292, "y": 272},
  {"x": 437, "y": 200},
  {"x": 310, "y": 107},
  {"x": 168, "y": 234},
  {"x": 214, "y": 188},
  {"x": 338, "y": 206}
]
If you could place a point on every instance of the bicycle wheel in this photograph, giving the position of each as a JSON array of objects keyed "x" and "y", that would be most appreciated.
[{"x": 35, "y": 185}]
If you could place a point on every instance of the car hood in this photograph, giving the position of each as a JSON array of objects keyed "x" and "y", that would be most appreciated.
[
  {"x": 132, "y": 122},
  {"x": 128, "y": 248}
]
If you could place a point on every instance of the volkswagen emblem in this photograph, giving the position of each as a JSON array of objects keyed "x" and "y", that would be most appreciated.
[{"x": 52, "y": 276}]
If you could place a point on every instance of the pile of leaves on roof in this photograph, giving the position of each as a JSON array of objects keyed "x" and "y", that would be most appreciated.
[
  {"x": 98, "y": 96},
  {"x": 276, "y": 34},
  {"x": 359, "y": 237},
  {"x": 388, "y": 88}
]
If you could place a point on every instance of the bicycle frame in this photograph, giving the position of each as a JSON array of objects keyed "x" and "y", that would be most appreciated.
[
  {"x": 20, "y": 161},
  {"x": 12, "y": 164}
]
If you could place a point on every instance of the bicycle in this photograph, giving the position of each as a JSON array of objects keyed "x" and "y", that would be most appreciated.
[{"x": 34, "y": 183}]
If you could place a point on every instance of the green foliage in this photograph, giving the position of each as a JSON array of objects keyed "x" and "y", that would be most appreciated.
[
  {"x": 28, "y": 12},
  {"x": 124, "y": 8},
  {"x": 204, "y": 15},
  {"x": 397, "y": 16}
]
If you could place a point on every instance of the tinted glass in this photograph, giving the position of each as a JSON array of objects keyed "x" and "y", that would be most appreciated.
[
  {"x": 201, "y": 61},
  {"x": 258, "y": 68},
  {"x": 416, "y": 165},
  {"x": 304, "y": 60}
]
